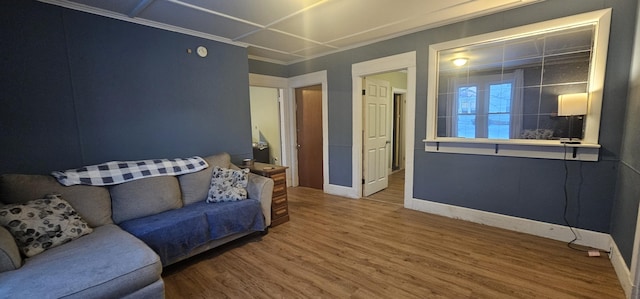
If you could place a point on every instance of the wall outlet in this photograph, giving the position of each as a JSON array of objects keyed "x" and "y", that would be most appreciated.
[{"x": 610, "y": 253}]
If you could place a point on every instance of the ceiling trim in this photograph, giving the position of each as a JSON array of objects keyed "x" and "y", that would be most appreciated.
[
  {"x": 295, "y": 13},
  {"x": 205, "y": 10},
  {"x": 141, "y": 21},
  {"x": 272, "y": 60},
  {"x": 414, "y": 30},
  {"x": 270, "y": 25},
  {"x": 131, "y": 18},
  {"x": 299, "y": 37},
  {"x": 260, "y": 58}
]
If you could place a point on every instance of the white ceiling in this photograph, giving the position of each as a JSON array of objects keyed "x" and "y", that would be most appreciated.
[{"x": 288, "y": 31}]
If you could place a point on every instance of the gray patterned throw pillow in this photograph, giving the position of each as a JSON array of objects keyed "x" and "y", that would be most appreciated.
[
  {"x": 228, "y": 185},
  {"x": 41, "y": 224}
]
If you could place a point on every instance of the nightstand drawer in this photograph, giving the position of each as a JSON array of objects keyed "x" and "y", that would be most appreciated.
[
  {"x": 279, "y": 201},
  {"x": 281, "y": 212},
  {"x": 279, "y": 189},
  {"x": 279, "y": 178}
]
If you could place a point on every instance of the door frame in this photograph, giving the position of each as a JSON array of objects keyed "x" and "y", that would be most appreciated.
[
  {"x": 403, "y": 92},
  {"x": 281, "y": 84},
  {"x": 405, "y": 61},
  {"x": 288, "y": 119},
  {"x": 317, "y": 78}
]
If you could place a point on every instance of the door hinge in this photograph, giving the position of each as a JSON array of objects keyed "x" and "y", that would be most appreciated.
[
  {"x": 363, "y": 181},
  {"x": 364, "y": 92}
]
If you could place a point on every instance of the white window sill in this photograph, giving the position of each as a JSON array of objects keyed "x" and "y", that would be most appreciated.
[{"x": 541, "y": 149}]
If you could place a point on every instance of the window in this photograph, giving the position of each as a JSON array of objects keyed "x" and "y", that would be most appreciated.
[
  {"x": 482, "y": 107},
  {"x": 500, "y": 98},
  {"x": 466, "y": 111},
  {"x": 503, "y": 98}
]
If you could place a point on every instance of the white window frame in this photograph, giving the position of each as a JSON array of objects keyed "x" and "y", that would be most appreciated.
[
  {"x": 483, "y": 83},
  {"x": 588, "y": 150}
]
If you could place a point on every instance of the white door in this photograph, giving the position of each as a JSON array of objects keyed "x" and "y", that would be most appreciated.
[{"x": 376, "y": 135}]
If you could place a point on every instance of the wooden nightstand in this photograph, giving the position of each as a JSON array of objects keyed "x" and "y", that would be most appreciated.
[{"x": 279, "y": 202}]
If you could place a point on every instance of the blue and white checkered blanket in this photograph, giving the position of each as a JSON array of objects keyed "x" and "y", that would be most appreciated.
[{"x": 117, "y": 172}]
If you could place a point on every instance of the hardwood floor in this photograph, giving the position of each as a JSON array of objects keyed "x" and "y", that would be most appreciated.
[
  {"x": 394, "y": 193},
  {"x": 335, "y": 247}
]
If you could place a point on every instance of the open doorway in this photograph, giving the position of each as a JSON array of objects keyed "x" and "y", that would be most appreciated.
[
  {"x": 405, "y": 62},
  {"x": 288, "y": 123},
  {"x": 265, "y": 124}
]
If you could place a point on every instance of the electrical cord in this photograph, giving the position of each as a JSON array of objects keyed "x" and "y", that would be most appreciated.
[
  {"x": 571, "y": 244},
  {"x": 578, "y": 202},
  {"x": 566, "y": 202}
]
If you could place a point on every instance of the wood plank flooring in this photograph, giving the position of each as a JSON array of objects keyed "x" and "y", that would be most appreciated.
[
  {"x": 335, "y": 247},
  {"x": 394, "y": 193}
]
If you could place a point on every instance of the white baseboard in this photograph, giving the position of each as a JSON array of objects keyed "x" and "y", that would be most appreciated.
[
  {"x": 341, "y": 191},
  {"x": 620, "y": 266},
  {"x": 547, "y": 230}
]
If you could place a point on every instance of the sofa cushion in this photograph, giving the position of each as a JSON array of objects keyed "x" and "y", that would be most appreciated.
[
  {"x": 195, "y": 185},
  {"x": 171, "y": 234},
  {"x": 10, "y": 258},
  {"x": 228, "y": 218},
  {"x": 92, "y": 203},
  {"x": 41, "y": 224},
  {"x": 174, "y": 234},
  {"x": 108, "y": 263},
  {"x": 145, "y": 197},
  {"x": 228, "y": 185}
]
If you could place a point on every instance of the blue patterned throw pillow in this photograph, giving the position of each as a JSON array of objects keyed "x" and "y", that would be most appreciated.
[
  {"x": 228, "y": 185},
  {"x": 41, "y": 224}
]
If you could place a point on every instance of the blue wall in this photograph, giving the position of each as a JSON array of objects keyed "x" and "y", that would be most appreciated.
[
  {"x": 625, "y": 209},
  {"x": 81, "y": 89},
  {"x": 522, "y": 187},
  {"x": 627, "y": 200}
]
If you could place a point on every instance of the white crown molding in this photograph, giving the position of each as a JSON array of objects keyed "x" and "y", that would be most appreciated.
[
  {"x": 141, "y": 21},
  {"x": 154, "y": 24},
  {"x": 274, "y": 61},
  {"x": 411, "y": 31}
]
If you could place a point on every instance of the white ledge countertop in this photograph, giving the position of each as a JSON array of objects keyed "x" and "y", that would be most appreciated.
[{"x": 528, "y": 148}]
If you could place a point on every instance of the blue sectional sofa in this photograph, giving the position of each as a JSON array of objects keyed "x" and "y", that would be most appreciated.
[{"x": 138, "y": 227}]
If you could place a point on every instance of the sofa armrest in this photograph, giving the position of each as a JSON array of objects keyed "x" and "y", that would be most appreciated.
[
  {"x": 261, "y": 188},
  {"x": 10, "y": 258}
]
